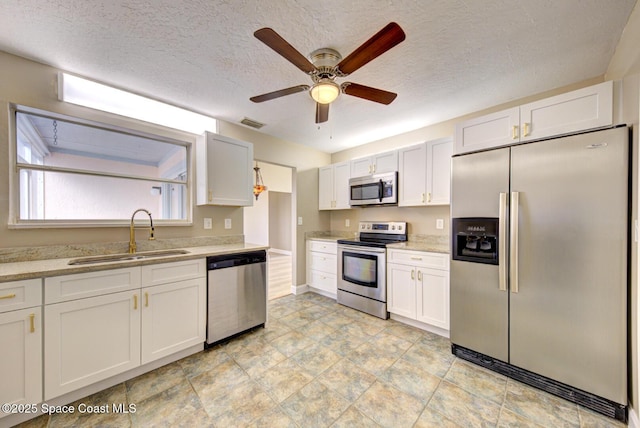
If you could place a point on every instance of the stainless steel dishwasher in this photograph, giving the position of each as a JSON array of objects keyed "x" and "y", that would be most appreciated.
[{"x": 236, "y": 294}]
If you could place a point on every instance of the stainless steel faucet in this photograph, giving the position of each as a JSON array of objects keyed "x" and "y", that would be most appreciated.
[{"x": 132, "y": 233}]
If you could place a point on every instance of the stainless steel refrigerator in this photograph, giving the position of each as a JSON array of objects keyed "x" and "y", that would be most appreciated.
[{"x": 540, "y": 264}]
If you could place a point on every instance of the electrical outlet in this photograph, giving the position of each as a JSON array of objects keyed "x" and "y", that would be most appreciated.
[
  {"x": 227, "y": 223},
  {"x": 299, "y": 221},
  {"x": 347, "y": 223},
  {"x": 207, "y": 223},
  {"x": 440, "y": 223}
]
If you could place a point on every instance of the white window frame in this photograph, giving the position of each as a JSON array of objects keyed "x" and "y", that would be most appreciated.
[{"x": 15, "y": 222}]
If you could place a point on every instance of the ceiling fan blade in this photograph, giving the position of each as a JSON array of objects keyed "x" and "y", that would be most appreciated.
[
  {"x": 368, "y": 93},
  {"x": 281, "y": 46},
  {"x": 381, "y": 42},
  {"x": 278, "y": 94},
  {"x": 322, "y": 112}
]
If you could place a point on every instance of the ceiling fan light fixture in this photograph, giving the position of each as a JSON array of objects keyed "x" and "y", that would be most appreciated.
[{"x": 325, "y": 91}]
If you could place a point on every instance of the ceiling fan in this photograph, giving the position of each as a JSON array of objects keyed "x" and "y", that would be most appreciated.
[{"x": 326, "y": 64}]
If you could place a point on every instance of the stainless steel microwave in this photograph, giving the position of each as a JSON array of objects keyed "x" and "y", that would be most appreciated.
[{"x": 376, "y": 189}]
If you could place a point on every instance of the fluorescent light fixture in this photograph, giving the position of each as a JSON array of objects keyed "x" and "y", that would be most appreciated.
[{"x": 76, "y": 90}]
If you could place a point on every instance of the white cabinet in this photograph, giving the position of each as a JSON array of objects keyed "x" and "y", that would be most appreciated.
[
  {"x": 376, "y": 164},
  {"x": 322, "y": 266},
  {"x": 418, "y": 286},
  {"x": 224, "y": 171},
  {"x": 88, "y": 339},
  {"x": 173, "y": 302},
  {"x": 21, "y": 336},
  {"x": 333, "y": 186},
  {"x": 578, "y": 110},
  {"x": 425, "y": 173},
  {"x": 100, "y": 324}
]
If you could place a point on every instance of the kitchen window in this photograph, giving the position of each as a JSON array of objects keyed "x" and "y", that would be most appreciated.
[{"x": 73, "y": 172}]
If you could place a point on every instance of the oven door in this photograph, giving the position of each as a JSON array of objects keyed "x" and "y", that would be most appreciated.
[{"x": 362, "y": 271}]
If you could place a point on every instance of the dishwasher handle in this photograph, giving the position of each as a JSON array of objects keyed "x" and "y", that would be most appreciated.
[{"x": 238, "y": 259}]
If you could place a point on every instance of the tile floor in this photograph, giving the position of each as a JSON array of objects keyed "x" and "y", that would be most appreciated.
[{"x": 319, "y": 364}]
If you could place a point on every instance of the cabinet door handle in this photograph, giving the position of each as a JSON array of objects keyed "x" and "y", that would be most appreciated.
[
  {"x": 8, "y": 296},
  {"x": 526, "y": 130},
  {"x": 373, "y": 167},
  {"x": 423, "y": 198},
  {"x": 146, "y": 299},
  {"x": 135, "y": 302},
  {"x": 419, "y": 275},
  {"x": 413, "y": 274},
  {"x": 428, "y": 196},
  {"x": 514, "y": 132},
  {"x": 210, "y": 195},
  {"x": 32, "y": 323}
]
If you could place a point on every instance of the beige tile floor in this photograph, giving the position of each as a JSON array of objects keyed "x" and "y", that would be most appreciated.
[{"x": 319, "y": 364}]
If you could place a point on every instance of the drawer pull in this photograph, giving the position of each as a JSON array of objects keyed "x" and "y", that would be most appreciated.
[
  {"x": 32, "y": 323},
  {"x": 8, "y": 296},
  {"x": 416, "y": 258}
]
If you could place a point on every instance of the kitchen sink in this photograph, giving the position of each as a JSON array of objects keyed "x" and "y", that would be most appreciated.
[{"x": 126, "y": 257}]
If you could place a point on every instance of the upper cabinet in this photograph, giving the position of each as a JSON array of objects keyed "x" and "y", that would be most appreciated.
[
  {"x": 376, "y": 164},
  {"x": 223, "y": 171},
  {"x": 583, "y": 109},
  {"x": 424, "y": 173},
  {"x": 333, "y": 188}
]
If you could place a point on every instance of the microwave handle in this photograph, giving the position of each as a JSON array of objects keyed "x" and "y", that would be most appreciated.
[{"x": 380, "y": 190}]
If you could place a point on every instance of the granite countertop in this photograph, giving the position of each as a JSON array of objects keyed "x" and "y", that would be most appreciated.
[
  {"x": 326, "y": 238},
  {"x": 427, "y": 243},
  {"x": 428, "y": 247},
  {"x": 14, "y": 271}
]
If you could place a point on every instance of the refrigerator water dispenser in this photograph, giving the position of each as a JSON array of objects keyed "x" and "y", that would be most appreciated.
[{"x": 475, "y": 240}]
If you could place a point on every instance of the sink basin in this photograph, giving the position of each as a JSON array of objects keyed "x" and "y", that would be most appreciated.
[{"x": 126, "y": 257}]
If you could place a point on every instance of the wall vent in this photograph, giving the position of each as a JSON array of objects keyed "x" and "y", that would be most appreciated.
[{"x": 252, "y": 123}]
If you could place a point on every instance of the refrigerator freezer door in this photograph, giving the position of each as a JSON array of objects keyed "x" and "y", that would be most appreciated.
[
  {"x": 568, "y": 317},
  {"x": 479, "y": 309}
]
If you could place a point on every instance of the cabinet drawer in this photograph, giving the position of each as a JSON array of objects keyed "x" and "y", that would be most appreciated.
[
  {"x": 323, "y": 262},
  {"x": 323, "y": 281},
  {"x": 20, "y": 294},
  {"x": 323, "y": 247},
  {"x": 419, "y": 258},
  {"x": 89, "y": 284},
  {"x": 174, "y": 271}
]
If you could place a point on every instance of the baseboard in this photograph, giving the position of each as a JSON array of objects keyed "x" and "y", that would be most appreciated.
[
  {"x": 299, "y": 289},
  {"x": 322, "y": 292},
  {"x": 634, "y": 421},
  {"x": 422, "y": 326}
]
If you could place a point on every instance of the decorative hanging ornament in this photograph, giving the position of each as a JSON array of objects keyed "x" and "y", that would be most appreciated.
[{"x": 259, "y": 187}]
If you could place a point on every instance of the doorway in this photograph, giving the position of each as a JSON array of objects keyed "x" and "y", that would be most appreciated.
[{"x": 270, "y": 222}]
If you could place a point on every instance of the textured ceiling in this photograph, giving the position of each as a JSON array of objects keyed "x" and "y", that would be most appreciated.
[{"x": 459, "y": 56}]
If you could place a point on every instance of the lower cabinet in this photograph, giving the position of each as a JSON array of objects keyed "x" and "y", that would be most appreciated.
[
  {"x": 173, "y": 318},
  {"x": 418, "y": 286},
  {"x": 322, "y": 267},
  {"x": 21, "y": 336},
  {"x": 91, "y": 339}
]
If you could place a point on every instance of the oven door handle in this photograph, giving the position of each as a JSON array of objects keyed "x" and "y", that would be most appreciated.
[{"x": 362, "y": 250}]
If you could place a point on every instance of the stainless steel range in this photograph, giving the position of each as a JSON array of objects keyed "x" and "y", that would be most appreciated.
[{"x": 362, "y": 262}]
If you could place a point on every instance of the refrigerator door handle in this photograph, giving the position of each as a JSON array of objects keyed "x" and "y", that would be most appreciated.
[
  {"x": 513, "y": 241},
  {"x": 502, "y": 243}
]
